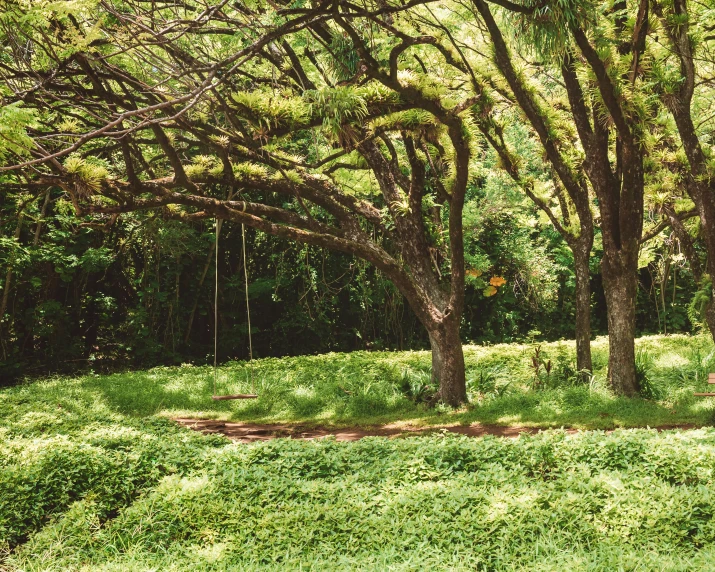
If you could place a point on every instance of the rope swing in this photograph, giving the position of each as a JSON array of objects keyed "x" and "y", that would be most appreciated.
[{"x": 251, "y": 395}]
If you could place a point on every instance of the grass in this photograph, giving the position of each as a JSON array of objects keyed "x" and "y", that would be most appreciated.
[
  {"x": 380, "y": 387},
  {"x": 632, "y": 500},
  {"x": 94, "y": 477}
]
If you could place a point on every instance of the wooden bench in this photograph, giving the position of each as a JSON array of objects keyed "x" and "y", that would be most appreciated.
[{"x": 711, "y": 379}]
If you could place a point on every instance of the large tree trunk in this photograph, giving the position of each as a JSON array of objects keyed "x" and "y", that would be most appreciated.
[
  {"x": 699, "y": 183},
  {"x": 709, "y": 315},
  {"x": 583, "y": 310},
  {"x": 7, "y": 285},
  {"x": 448, "y": 361},
  {"x": 620, "y": 285},
  {"x": 705, "y": 203},
  {"x": 688, "y": 249}
]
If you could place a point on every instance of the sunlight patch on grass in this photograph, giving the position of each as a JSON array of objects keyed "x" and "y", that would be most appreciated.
[{"x": 671, "y": 360}]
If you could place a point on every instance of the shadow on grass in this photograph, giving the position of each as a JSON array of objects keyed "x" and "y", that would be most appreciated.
[
  {"x": 580, "y": 408},
  {"x": 305, "y": 392}
]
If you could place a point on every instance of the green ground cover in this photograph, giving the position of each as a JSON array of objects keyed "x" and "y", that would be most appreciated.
[
  {"x": 93, "y": 475},
  {"x": 366, "y": 388}
]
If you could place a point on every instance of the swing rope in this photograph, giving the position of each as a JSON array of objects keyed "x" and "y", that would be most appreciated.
[
  {"x": 248, "y": 307},
  {"x": 218, "y": 230},
  {"x": 252, "y": 395}
]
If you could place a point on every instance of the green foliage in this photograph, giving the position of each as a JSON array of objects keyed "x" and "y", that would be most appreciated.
[
  {"x": 62, "y": 446},
  {"x": 343, "y": 58},
  {"x": 90, "y": 173},
  {"x": 545, "y": 30},
  {"x": 46, "y": 477},
  {"x": 376, "y": 387},
  {"x": 644, "y": 377},
  {"x": 135, "y": 292},
  {"x": 379, "y": 503},
  {"x": 273, "y": 111},
  {"x": 202, "y": 165},
  {"x": 410, "y": 120},
  {"x": 249, "y": 170},
  {"x": 489, "y": 382},
  {"x": 14, "y": 122},
  {"x": 699, "y": 302},
  {"x": 337, "y": 107},
  {"x": 417, "y": 385},
  {"x": 504, "y": 239},
  {"x": 12, "y": 252}
]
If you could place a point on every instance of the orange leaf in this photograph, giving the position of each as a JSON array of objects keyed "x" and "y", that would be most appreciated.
[{"x": 497, "y": 281}]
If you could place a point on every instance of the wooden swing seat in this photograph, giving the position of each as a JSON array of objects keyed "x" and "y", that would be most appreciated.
[
  {"x": 711, "y": 380},
  {"x": 236, "y": 396}
]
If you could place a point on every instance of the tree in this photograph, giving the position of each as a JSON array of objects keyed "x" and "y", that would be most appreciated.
[
  {"x": 577, "y": 41},
  {"x": 296, "y": 122},
  {"x": 677, "y": 85},
  {"x": 573, "y": 219}
]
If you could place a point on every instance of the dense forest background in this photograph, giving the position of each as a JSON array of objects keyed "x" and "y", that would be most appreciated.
[{"x": 139, "y": 292}]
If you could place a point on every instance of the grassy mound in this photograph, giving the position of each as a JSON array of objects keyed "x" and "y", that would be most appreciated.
[
  {"x": 93, "y": 476},
  {"x": 632, "y": 500}
]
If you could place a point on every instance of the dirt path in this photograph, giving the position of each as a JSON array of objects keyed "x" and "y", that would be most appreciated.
[{"x": 252, "y": 432}]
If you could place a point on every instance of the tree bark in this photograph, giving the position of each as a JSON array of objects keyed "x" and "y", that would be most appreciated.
[
  {"x": 8, "y": 275},
  {"x": 702, "y": 195},
  {"x": 688, "y": 248},
  {"x": 583, "y": 311},
  {"x": 572, "y": 181},
  {"x": 448, "y": 361},
  {"x": 706, "y": 209},
  {"x": 699, "y": 184},
  {"x": 620, "y": 285}
]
